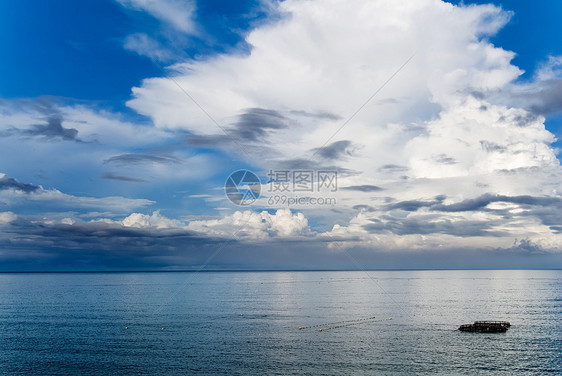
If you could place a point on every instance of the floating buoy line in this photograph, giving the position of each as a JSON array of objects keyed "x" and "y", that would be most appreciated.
[{"x": 339, "y": 324}]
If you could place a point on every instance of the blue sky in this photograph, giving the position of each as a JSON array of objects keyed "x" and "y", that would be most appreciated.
[
  {"x": 75, "y": 50},
  {"x": 121, "y": 120}
]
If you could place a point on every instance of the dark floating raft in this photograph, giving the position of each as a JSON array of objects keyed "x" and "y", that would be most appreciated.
[{"x": 486, "y": 327}]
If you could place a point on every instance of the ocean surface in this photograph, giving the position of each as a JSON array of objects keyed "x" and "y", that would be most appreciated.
[{"x": 247, "y": 323}]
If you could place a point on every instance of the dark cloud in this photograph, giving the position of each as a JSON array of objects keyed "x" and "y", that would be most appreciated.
[
  {"x": 308, "y": 164},
  {"x": 387, "y": 101},
  {"x": 335, "y": 150},
  {"x": 297, "y": 163},
  {"x": 492, "y": 147},
  {"x": 527, "y": 246},
  {"x": 87, "y": 235},
  {"x": 317, "y": 115},
  {"x": 10, "y": 183},
  {"x": 556, "y": 229},
  {"x": 53, "y": 129},
  {"x": 363, "y": 188},
  {"x": 251, "y": 132},
  {"x": 206, "y": 141},
  {"x": 413, "y": 205},
  {"x": 482, "y": 201},
  {"x": 31, "y": 245},
  {"x": 111, "y": 176},
  {"x": 549, "y": 215},
  {"x": 364, "y": 208},
  {"x": 444, "y": 159},
  {"x": 392, "y": 168},
  {"x": 466, "y": 205},
  {"x": 548, "y": 99},
  {"x": 433, "y": 225},
  {"x": 127, "y": 159},
  {"x": 547, "y": 209},
  {"x": 254, "y": 124},
  {"x": 520, "y": 120},
  {"x": 477, "y": 94}
]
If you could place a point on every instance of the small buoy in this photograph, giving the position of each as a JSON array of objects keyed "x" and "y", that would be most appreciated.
[
  {"x": 390, "y": 318},
  {"x": 126, "y": 327},
  {"x": 162, "y": 328},
  {"x": 319, "y": 330},
  {"x": 300, "y": 327}
]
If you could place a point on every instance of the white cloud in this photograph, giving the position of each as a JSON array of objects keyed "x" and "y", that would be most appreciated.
[
  {"x": 329, "y": 56},
  {"x": 241, "y": 225},
  {"x": 177, "y": 13},
  {"x": 110, "y": 203},
  {"x": 255, "y": 226},
  {"x": 476, "y": 137},
  {"x": 155, "y": 220},
  {"x": 54, "y": 198},
  {"x": 99, "y": 136},
  {"x": 442, "y": 121},
  {"x": 67, "y": 221},
  {"x": 19, "y": 117},
  {"x": 147, "y": 46},
  {"x": 7, "y": 217},
  {"x": 315, "y": 60},
  {"x": 551, "y": 69},
  {"x": 542, "y": 94},
  {"x": 443, "y": 126}
]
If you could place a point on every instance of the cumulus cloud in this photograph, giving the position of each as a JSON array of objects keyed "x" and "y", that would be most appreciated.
[
  {"x": 69, "y": 244},
  {"x": 443, "y": 132},
  {"x": 452, "y": 62},
  {"x": 247, "y": 226},
  {"x": 155, "y": 220},
  {"x": 486, "y": 222},
  {"x": 257, "y": 226},
  {"x": 453, "y": 151},
  {"x": 469, "y": 140}
]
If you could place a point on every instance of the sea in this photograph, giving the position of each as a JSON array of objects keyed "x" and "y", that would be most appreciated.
[{"x": 280, "y": 323}]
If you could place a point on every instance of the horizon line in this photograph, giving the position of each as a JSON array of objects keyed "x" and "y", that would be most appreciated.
[{"x": 259, "y": 270}]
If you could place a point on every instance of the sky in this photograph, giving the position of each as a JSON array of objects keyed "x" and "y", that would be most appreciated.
[{"x": 296, "y": 134}]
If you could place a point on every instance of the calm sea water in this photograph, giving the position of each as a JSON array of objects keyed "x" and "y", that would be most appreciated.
[{"x": 248, "y": 323}]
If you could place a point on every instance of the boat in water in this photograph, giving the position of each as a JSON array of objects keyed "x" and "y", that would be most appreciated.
[{"x": 486, "y": 327}]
